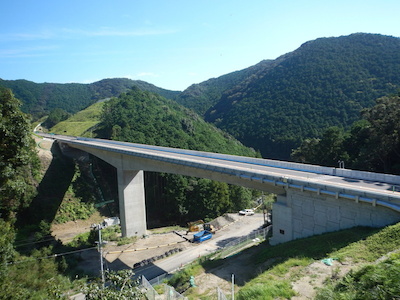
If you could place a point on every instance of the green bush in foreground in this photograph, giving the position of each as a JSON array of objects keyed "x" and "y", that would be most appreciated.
[{"x": 380, "y": 281}]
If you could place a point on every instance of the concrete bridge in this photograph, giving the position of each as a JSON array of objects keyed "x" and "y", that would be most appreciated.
[{"x": 311, "y": 199}]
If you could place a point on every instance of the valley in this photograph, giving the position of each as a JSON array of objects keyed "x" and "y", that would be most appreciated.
[{"x": 331, "y": 100}]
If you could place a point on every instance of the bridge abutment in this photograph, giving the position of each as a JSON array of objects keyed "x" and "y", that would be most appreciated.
[
  {"x": 303, "y": 214},
  {"x": 132, "y": 207}
]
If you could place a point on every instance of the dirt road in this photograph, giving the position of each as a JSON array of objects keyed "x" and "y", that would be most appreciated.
[{"x": 159, "y": 248}]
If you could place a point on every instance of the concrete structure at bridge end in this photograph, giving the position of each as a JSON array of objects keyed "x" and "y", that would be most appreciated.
[{"x": 302, "y": 214}]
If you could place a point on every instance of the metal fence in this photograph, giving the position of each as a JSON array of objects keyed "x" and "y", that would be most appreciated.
[
  {"x": 151, "y": 293},
  {"x": 230, "y": 248},
  {"x": 148, "y": 289},
  {"x": 171, "y": 294},
  {"x": 159, "y": 279},
  {"x": 243, "y": 242},
  {"x": 220, "y": 295}
]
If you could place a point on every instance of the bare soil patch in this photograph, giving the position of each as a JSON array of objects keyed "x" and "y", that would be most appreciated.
[
  {"x": 43, "y": 148},
  {"x": 315, "y": 275},
  {"x": 67, "y": 231}
]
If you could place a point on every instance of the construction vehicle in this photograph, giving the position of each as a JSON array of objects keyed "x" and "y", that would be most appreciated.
[
  {"x": 199, "y": 225},
  {"x": 202, "y": 236},
  {"x": 195, "y": 226},
  {"x": 209, "y": 227}
]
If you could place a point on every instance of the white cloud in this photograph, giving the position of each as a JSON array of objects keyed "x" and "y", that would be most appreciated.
[
  {"x": 27, "y": 51},
  {"x": 72, "y": 33},
  {"x": 146, "y": 74},
  {"x": 110, "y": 32},
  {"x": 28, "y": 36}
]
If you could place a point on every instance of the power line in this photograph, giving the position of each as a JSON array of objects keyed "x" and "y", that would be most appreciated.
[
  {"x": 50, "y": 256},
  {"x": 29, "y": 239},
  {"x": 42, "y": 241}
]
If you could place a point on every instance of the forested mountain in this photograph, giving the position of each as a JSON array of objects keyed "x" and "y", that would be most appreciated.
[
  {"x": 41, "y": 98},
  {"x": 143, "y": 117},
  {"x": 200, "y": 97},
  {"x": 325, "y": 82},
  {"x": 272, "y": 106},
  {"x": 371, "y": 144}
]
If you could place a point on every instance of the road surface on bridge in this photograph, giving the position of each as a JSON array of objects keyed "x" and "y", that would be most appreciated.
[{"x": 257, "y": 166}]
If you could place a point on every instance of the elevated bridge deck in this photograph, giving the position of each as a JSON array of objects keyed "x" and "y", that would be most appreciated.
[{"x": 273, "y": 176}]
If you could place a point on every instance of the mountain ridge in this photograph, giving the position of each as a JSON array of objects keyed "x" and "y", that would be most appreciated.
[
  {"x": 39, "y": 99},
  {"x": 270, "y": 106},
  {"x": 325, "y": 82}
]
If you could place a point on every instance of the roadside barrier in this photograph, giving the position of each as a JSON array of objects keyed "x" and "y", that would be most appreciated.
[{"x": 237, "y": 245}]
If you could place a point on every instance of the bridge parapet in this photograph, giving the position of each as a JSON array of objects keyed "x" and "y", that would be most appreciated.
[{"x": 340, "y": 190}]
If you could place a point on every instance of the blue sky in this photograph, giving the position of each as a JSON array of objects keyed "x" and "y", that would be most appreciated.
[{"x": 170, "y": 43}]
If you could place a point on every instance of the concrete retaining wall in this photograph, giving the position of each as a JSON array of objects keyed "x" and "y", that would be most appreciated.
[{"x": 298, "y": 215}]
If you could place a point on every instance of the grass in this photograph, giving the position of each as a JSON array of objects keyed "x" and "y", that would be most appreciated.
[
  {"x": 166, "y": 229},
  {"x": 81, "y": 123},
  {"x": 374, "y": 281},
  {"x": 357, "y": 245},
  {"x": 285, "y": 263}
]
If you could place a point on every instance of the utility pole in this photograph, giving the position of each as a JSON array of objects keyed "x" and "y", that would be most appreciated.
[
  {"x": 233, "y": 286},
  {"x": 264, "y": 206},
  {"x": 100, "y": 249}
]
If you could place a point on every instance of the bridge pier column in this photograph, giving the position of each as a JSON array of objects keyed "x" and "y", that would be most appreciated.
[{"x": 132, "y": 207}]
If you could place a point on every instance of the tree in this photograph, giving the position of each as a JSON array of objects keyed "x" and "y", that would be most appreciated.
[
  {"x": 240, "y": 197},
  {"x": 326, "y": 151},
  {"x": 384, "y": 132},
  {"x": 18, "y": 160},
  {"x": 307, "y": 151},
  {"x": 57, "y": 115},
  {"x": 120, "y": 286},
  {"x": 6, "y": 248},
  {"x": 372, "y": 144}
]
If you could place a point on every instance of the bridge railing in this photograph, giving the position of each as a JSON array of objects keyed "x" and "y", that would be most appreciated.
[{"x": 341, "y": 171}]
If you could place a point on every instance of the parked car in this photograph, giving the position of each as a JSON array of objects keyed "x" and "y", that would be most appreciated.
[{"x": 246, "y": 212}]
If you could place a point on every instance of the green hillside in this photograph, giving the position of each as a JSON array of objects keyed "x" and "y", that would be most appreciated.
[
  {"x": 143, "y": 117},
  {"x": 82, "y": 123},
  {"x": 147, "y": 118},
  {"x": 39, "y": 99},
  {"x": 200, "y": 97},
  {"x": 272, "y": 106},
  {"x": 325, "y": 82}
]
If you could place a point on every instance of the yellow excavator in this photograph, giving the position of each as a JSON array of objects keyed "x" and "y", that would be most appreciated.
[{"x": 199, "y": 225}]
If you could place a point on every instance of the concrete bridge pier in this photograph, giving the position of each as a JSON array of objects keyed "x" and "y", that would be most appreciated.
[{"x": 132, "y": 207}]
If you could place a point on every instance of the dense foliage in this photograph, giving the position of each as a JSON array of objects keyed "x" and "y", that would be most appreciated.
[
  {"x": 39, "y": 99},
  {"x": 147, "y": 118},
  {"x": 55, "y": 116},
  {"x": 120, "y": 286},
  {"x": 200, "y": 97},
  {"x": 18, "y": 161},
  {"x": 324, "y": 83},
  {"x": 271, "y": 106},
  {"x": 21, "y": 276},
  {"x": 371, "y": 144}
]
